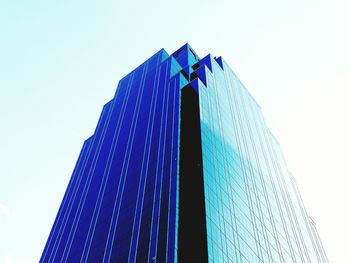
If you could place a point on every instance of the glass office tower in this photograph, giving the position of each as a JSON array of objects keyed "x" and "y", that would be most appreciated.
[{"x": 182, "y": 168}]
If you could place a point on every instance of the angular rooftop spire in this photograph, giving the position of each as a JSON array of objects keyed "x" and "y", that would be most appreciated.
[{"x": 186, "y": 56}]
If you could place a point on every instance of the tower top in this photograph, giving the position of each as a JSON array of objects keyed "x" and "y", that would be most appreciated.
[{"x": 186, "y": 56}]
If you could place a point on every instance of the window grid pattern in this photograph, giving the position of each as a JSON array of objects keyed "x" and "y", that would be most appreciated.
[
  {"x": 121, "y": 202},
  {"x": 253, "y": 211}
]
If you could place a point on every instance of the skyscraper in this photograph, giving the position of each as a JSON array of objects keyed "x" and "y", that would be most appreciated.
[{"x": 182, "y": 168}]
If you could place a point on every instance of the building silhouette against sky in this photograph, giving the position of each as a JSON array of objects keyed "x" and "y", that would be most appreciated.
[{"x": 182, "y": 168}]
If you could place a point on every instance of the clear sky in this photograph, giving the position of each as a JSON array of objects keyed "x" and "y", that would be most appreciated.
[{"x": 60, "y": 61}]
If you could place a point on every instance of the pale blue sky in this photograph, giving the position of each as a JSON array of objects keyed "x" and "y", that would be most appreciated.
[{"x": 60, "y": 61}]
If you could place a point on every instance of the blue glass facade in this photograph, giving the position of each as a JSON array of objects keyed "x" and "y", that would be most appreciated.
[
  {"x": 182, "y": 168},
  {"x": 253, "y": 210}
]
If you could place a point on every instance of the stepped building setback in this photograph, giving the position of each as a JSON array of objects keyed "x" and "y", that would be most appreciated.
[{"x": 182, "y": 168}]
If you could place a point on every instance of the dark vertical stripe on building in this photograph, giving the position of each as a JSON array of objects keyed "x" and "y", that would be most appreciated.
[{"x": 192, "y": 239}]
